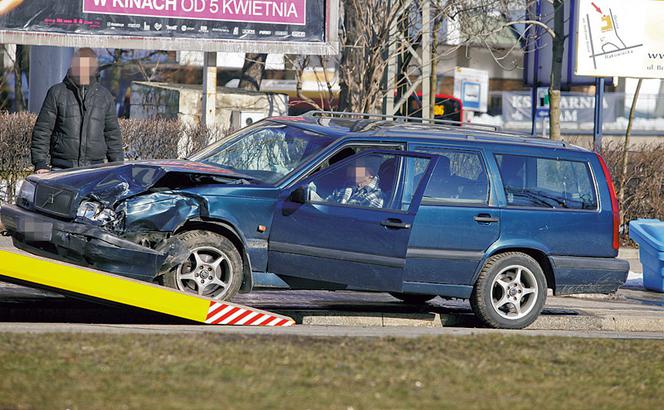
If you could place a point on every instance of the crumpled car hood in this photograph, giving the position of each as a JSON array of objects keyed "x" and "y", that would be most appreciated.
[{"x": 110, "y": 183}]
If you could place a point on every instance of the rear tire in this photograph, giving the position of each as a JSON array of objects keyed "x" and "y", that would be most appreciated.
[
  {"x": 213, "y": 268},
  {"x": 510, "y": 291},
  {"x": 413, "y": 298}
]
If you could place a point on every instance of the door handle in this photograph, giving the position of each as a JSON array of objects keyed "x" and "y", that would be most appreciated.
[
  {"x": 485, "y": 219},
  {"x": 395, "y": 224}
]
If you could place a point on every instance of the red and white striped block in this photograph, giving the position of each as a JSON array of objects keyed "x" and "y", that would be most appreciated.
[{"x": 220, "y": 313}]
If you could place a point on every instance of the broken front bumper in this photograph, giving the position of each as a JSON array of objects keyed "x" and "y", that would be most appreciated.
[{"x": 81, "y": 244}]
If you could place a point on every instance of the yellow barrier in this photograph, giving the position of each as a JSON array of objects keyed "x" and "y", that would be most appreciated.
[{"x": 118, "y": 289}]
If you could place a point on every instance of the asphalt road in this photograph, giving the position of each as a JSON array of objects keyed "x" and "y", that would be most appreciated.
[
  {"x": 310, "y": 331},
  {"x": 26, "y": 310}
]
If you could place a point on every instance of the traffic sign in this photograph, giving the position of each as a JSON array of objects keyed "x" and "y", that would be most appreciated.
[{"x": 542, "y": 103}]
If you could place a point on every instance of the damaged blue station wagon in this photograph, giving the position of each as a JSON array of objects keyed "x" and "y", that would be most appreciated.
[{"x": 327, "y": 202}]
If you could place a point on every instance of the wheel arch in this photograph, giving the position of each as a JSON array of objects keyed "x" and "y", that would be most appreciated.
[
  {"x": 227, "y": 230},
  {"x": 539, "y": 255}
]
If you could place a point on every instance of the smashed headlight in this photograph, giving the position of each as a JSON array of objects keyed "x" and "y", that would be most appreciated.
[
  {"x": 95, "y": 213},
  {"x": 26, "y": 195}
]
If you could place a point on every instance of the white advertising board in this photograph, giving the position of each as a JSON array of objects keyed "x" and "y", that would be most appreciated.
[
  {"x": 471, "y": 86},
  {"x": 620, "y": 38}
]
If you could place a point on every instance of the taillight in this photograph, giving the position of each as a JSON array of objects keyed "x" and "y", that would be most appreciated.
[{"x": 615, "y": 208}]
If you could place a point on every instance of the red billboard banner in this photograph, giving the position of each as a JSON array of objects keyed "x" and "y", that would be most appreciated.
[{"x": 249, "y": 11}]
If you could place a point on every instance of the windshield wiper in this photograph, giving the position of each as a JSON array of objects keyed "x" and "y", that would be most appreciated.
[
  {"x": 236, "y": 175},
  {"x": 234, "y": 179},
  {"x": 218, "y": 165}
]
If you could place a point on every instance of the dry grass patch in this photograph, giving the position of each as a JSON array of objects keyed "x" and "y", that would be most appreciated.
[{"x": 235, "y": 372}]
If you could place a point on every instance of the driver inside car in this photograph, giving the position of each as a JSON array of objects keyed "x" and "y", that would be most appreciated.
[{"x": 362, "y": 189}]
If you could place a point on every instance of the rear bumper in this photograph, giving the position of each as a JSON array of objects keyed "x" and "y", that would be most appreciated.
[
  {"x": 588, "y": 275},
  {"x": 82, "y": 244}
]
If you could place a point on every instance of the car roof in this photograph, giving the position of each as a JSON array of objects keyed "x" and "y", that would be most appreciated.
[{"x": 413, "y": 131}]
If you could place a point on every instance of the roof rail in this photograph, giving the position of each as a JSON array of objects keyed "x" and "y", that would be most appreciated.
[
  {"x": 401, "y": 118},
  {"x": 445, "y": 124}
]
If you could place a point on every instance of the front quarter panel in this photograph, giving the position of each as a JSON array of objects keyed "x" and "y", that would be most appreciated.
[
  {"x": 249, "y": 211},
  {"x": 243, "y": 209}
]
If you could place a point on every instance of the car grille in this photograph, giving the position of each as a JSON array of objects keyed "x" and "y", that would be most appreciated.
[{"x": 54, "y": 201}]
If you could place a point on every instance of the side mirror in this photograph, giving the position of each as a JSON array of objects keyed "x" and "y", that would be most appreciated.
[{"x": 300, "y": 195}]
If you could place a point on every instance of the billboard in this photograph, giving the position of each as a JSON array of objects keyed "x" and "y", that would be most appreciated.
[
  {"x": 274, "y": 26},
  {"x": 538, "y": 55},
  {"x": 471, "y": 86},
  {"x": 620, "y": 38},
  {"x": 576, "y": 109}
]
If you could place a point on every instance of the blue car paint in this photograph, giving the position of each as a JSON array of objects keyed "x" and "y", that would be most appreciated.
[
  {"x": 556, "y": 231},
  {"x": 452, "y": 229},
  {"x": 244, "y": 209},
  {"x": 446, "y": 245},
  {"x": 442, "y": 253},
  {"x": 241, "y": 208},
  {"x": 302, "y": 234}
]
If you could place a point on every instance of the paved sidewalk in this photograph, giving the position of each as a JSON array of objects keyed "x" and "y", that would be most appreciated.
[{"x": 631, "y": 255}]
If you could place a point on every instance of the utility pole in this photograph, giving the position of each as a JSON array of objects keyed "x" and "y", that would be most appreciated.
[
  {"x": 426, "y": 59},
  {"x": 209, "y": 89},
  {"x": 436, "y": 25},
  {"x": 392, "y": 66},
  {"x": 48, "y": 66},
  {"x": 558, "y": 50},
  {"x": 403, "y": 48},
  {"x": 19, "y": 67}
]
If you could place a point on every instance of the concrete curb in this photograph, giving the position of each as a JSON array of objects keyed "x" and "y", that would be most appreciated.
[{"x": 578, "y": 320}]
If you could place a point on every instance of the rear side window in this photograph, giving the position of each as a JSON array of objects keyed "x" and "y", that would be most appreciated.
[
  {"x": 547, "y": 183},
  {"x": 459, "y": 177}
]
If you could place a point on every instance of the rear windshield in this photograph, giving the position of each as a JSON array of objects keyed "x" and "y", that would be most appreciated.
[{"x": 547, "y": 183}]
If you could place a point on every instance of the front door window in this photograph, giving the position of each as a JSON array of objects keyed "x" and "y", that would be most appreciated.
[{"x": 368, "y": 181}]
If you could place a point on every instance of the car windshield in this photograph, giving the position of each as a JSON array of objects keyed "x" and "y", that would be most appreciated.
[{"x": 266, "y": 152}]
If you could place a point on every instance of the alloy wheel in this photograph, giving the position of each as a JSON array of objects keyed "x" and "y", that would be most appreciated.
[
  {"x": 514, "y": 292},
  {"x": 207, "y": 272}
]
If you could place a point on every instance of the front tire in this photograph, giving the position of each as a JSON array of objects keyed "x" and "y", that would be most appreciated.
[
  {"x": 213, "y": 268},
  {"x": 510, "y": 291}
]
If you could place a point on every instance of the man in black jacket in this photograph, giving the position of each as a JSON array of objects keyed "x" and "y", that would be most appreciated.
[{"x": 77, "y": 125}]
